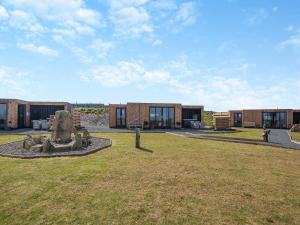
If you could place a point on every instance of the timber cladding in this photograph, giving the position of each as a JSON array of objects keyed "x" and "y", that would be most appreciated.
[
  {"x": 17, "y": 118},
  {"x": 141, "y": 112},
  {"x": 255, "y": 116}
]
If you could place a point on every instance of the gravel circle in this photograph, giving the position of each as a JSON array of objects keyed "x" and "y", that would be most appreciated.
[{"x": 16, "y": 150}]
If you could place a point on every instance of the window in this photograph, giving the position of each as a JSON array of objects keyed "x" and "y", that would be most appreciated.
[
  {"x": 162, "y": 117},
  {"x": 2, "y": 116},
  {"x": 275, "y": 119}
]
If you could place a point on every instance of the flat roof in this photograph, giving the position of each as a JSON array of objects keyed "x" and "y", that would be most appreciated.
[
  {"x": 32, "y": 102},
  {"x": 239, "y": 110}
]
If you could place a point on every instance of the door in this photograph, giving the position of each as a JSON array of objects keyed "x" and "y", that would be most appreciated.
[
  {"x": 296, "y": 116},
  {"x": 238, "y": 119},
  {"x": 121, "y": 117},
  {"x": 21, "y": 115}
]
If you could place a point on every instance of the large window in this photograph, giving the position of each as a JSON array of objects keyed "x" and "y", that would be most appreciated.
[
  {"x": 162, "y": 117},
  {"x": 121, "y": 117},
  {"x": 3, "y": 116},
  {"x": 190, "y": 115},
  {"x": 237, "y": 119},
  {"x": 275, "y": 119}
]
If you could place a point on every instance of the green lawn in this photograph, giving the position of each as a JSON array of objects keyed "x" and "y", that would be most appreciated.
[
  {"x": 295, "y": 136},
  {"x": 174, "y": 180},
  {"x": 247, "y": 133}
]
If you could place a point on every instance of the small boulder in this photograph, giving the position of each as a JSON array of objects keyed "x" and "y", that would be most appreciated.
[{"x": 47, "y": 146}]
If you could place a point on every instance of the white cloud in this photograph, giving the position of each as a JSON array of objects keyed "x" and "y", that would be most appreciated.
[
  {"x": 101, "y": 47},
  {"x": 43, "y": 50},
  {"x": 3, "y": 13},
  {"x": 25, "y": 21},
  {"x": 157, "y": 42},
  {"x": 68, "y": 18},
  {"x": 82, "y": 55},
  {"x": 164, "y": 5},
  {"x": 216, "y": 88},
  {"x": 98, "y": 49},
  {"x": 58, "y": 10},
  {"x": 131, "y": 21},
  {"x": 157, "y": 76},
  {"x": 226, "y": 46},
  {"x": 298, "y": 83},
  {"x": 13, "y": 83},
  {"x": 135, "y": 18},
  {"x": 257, "y": 16},
  {"x": 293, "y": 41},
  {"x": 122, "y": 74},
  {"x": 187, "y": 13}
]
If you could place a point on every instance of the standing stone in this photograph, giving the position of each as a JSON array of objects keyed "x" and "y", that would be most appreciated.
[
  {"x": 137, "y": 138},
  {"x": 62, "y": 127}
]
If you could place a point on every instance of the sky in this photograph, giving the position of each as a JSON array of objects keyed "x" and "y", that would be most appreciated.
[{"x": 223, "y": 54}]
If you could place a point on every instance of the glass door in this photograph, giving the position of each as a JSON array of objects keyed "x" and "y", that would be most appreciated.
[
  {"x": 121, "y": 117},
  {"x": 21, "y": 115},
  {"x": 275, "y": 120},
  {"x": 238, "y": 119}
]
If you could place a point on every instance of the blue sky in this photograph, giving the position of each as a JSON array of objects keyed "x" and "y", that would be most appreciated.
[{"x": 224, "y": 55}]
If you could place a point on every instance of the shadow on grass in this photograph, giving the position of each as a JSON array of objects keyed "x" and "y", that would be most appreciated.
[{"x": 145, "y": 149}]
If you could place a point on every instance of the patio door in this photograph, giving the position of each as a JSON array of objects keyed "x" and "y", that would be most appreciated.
[
  {"x": 275, "y": 119},
  {"x": 121, "y": 117},
  {"x": 21, "y": 115}
]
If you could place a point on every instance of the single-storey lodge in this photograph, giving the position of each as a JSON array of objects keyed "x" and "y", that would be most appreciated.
[
  {"x": 15, "y": 113},
  {"x": 154, "y": 115},
  {"x": 268, "y": 118}
]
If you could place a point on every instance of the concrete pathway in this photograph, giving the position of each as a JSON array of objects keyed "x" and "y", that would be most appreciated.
[
  {"x": 277, "y": 138},
  {"x": 283, "y": 138}
]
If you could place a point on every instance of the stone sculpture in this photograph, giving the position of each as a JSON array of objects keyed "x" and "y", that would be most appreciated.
[
  {"x": 61, "y": 138},
  {"x": 62, "y": 127}
]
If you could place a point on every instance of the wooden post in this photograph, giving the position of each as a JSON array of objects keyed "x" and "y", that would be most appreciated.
[{"x": 137, "y": 138}]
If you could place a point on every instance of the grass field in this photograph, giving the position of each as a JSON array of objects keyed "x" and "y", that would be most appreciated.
[
  {"x": 295, "y": 136},
  {"x": 174, "y": 180},
  {"x": 247, "y": 133},
  {"x": 97, "y": 111}
]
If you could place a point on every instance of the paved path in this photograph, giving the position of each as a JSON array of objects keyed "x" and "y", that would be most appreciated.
[
  {"x": 282, "y": 137},
  {"x": 277, "y": 138}
]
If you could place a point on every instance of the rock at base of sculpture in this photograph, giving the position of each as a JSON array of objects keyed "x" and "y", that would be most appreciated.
[
  {"x": 62, "y": 127},
  {"x": 29, "y": 141},
  {"x": 47, "y": 146},
  {"x": 86, "y": 139},
  {"x": 77, "y": 142}
]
